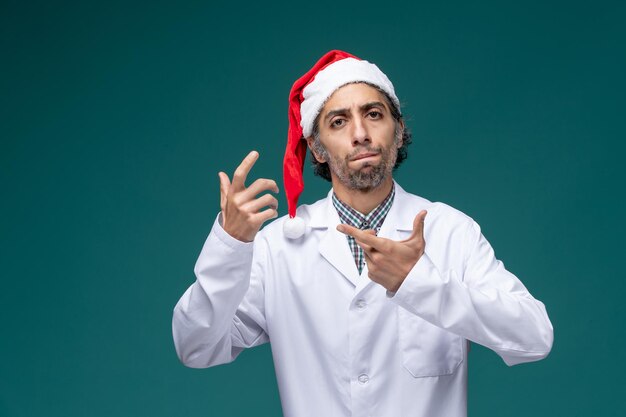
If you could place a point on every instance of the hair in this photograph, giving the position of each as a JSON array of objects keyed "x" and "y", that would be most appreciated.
[{"x": 321, "y": 168}]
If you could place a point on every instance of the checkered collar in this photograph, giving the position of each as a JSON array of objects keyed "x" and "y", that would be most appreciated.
[{"x": 373, "y": 220}]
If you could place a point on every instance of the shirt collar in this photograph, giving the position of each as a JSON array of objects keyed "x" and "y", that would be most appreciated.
[{"x": 372, "y": 220}]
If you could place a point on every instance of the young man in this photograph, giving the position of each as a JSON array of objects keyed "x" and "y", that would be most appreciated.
[{"x": 369, "y": 296}]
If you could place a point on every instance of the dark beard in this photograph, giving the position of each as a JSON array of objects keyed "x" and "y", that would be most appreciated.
[{"x": 364, "y": 179}]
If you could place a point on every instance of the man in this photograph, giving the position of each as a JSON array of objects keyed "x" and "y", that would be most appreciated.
[{"x": 369, "y": 296}]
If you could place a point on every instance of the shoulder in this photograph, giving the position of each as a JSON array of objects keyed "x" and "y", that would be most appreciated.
[
  {"x": 439, "y": 213},
  {"x": 449, "y": 232}
]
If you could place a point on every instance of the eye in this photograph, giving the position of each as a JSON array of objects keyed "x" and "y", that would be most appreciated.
[
  {"x": 375, "y": 114},
  {"x": 337, "y": 122}
]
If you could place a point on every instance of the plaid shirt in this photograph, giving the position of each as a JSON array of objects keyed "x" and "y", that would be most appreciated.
[{"x": 373, "y": 220}]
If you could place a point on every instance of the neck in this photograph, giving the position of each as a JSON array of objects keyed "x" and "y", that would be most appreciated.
[{"x": 360, "y": 200}]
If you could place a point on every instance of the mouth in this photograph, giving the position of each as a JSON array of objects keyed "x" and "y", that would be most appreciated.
[{"x": 364, "y": 155}]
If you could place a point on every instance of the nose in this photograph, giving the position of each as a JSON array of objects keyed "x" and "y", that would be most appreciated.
[{"x": 360, "y": 135}]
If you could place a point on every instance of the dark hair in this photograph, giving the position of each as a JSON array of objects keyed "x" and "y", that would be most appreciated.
[{"x": 321, "y": 168}]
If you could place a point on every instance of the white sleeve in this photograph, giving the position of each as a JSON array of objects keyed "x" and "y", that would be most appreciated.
[
  {"x": 483, "y": 303},
  {"x": 223, "y": 311}
]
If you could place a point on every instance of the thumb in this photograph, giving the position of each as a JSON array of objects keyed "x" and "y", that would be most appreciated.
[
  {"x": 224, "y": 187},
  {"x": 418, "y": 226}
]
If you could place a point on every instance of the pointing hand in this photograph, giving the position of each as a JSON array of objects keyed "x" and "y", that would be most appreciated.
[{"x": 388, "y": 261}]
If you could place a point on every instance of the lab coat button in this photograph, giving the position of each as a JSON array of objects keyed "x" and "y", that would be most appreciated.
[
  {"x": 360, "y": 304},
  {"x": 363, "y": 378}
]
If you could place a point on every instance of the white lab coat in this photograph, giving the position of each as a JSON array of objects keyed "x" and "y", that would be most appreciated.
[{"x": 343, "y": 346}]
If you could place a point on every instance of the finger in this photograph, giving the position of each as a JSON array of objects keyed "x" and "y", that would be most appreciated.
[
  {"x": 367, "y": 249},
  {"x": 224, "y": 187},
  {"x": 241, "y": 173},
  {"x": 360, "y": 235},
  {"x": 260, "y": 185},
  {"x": 265, "y": 215},
  {"x": 418, "y": 226},
  {"x": 369, "y": 258},
  {"x": 266, "y": 200},
  {"x": 346, "y": 229}
]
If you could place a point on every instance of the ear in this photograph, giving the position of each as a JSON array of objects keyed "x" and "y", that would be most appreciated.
[
  {"x": 309, "y": 142},
  {"x": 400, "y": 133}
]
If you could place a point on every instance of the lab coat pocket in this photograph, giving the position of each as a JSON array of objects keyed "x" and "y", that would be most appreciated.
[{"x": 426, "y": 349}]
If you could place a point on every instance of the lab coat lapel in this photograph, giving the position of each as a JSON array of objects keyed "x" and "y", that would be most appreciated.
[
  {"x": 398, "y": 224},
  {"x": 333, "y": 245}
]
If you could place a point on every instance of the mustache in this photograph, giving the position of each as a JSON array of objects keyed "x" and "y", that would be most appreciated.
[{"x": 362, "y": 149}]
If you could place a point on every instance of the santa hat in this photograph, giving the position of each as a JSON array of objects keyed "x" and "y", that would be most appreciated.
[{"x": 306, "y": 99}]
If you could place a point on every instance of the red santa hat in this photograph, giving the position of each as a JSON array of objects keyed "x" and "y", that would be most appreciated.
[{"x": 306, "y": 99}]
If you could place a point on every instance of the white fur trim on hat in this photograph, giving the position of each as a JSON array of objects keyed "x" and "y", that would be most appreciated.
[{"x": 338, "y": 74}]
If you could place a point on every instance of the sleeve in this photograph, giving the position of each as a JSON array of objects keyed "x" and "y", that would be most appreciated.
[
  {"x": 483, "y": 302},
  {"x": 223, "y": 311}
]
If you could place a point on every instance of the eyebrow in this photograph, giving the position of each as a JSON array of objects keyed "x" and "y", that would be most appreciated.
[{"x": 365, "y": 107}]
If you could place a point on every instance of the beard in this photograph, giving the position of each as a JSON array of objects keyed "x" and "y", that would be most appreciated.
[{"x": 367, "y": 176}]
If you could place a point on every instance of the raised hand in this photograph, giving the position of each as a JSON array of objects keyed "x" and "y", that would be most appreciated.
[
  {"x": 243, "y": 213},
  {"x": 389, "y": 261}
]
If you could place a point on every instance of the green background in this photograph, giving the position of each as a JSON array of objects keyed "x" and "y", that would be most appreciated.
[{"x": 117, "y": 116}]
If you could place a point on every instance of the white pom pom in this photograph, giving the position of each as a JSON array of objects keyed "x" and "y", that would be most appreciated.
[{"x": 293, "y": 228}]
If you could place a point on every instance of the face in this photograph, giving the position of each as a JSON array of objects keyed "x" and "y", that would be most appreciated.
[{"x": 358, "y": 137}]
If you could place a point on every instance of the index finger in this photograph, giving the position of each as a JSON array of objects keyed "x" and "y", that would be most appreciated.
[
  {"x": 361, "y": 235},
  {"x": 241, "y": 173}
]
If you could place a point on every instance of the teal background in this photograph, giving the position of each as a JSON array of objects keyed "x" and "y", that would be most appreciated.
[{"x": 117, "y": 116}]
